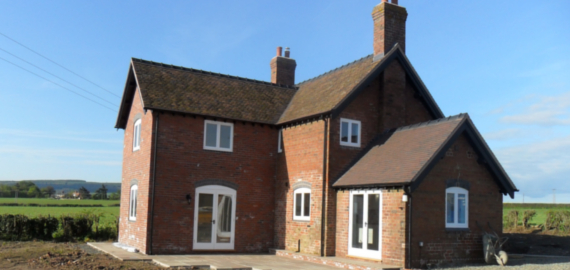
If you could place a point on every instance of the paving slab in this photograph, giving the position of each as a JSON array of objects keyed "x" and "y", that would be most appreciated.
[{"x": 219, "y": 261}]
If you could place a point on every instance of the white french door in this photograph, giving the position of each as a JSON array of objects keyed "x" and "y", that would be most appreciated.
[
  {"x": 214, "y": 217},
  {"x": 365, "y": 224}
]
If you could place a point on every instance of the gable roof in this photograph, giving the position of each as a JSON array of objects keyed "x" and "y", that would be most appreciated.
[
  {"x": 405, "y": 156},
  {"x": 334, "y": 90},
  {"x": 185, "y": 90}
]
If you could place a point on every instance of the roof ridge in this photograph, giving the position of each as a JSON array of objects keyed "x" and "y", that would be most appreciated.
[
  {"x": 433, "y": 122},
  {"x": 211, "y": 73},
  {"x": 336, "y": 69}
]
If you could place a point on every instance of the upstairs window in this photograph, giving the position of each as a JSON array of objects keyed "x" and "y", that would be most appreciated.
[
  {"x": 302, "y": 204},
  {"x": 133, "y": 203},
  {"x": 349, "y": 132},
  {"x": 137, "y": 135},
  {"x": 456, "y": 208},
  {"x": 218, "y": 136},
  {"x": 280, "y": 142}
]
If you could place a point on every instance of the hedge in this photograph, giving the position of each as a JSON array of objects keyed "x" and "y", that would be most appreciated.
[
  {"x": 82, "y": 226},
  {"x": 55, "y": 205}
]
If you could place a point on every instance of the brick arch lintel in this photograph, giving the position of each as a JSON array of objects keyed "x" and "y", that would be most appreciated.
[
  {"x": 301, "y": 184},
  {"x": 134, "y": 182},
  {"x": 457, "y": 183},
  {"x": 217, "y": 182},
  {"x": 137, "y": 117}
]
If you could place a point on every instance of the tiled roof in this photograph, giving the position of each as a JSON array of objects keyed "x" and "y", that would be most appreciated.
[
  {"x": 400, "y": 156},
  {"x": 321, "y": 94},
  {"x": 199, "y": 92}
]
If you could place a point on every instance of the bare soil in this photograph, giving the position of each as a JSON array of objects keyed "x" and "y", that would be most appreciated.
[{"x": 48, "y": 255}]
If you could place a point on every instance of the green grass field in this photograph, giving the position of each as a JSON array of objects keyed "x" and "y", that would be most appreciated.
[
  {"x": 541, "y": 210},
  {"x": 109, "y": 213},
  {"x": 54, "y": 201}
]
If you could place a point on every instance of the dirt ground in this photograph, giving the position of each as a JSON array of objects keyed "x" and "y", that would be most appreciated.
[
  {"x": 537, "y": 243},
  {"x": 47, "y": 255}
]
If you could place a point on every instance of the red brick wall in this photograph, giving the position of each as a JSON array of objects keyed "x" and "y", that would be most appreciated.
[
  {"x": 388, "y": 102},
  {"x": 394, "y": 230},
  {"x": 136, "y": 165},
  {"x": 301, "y": 160},
  {"x": 181, "y": 161},
  {"x": 393, "y": 225},
  {"x": 428, "y": 224}
]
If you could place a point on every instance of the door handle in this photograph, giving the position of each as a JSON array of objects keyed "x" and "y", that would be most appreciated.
[
  {"x": 365, "y": 224},
  {"x": 213, "y": 221}
]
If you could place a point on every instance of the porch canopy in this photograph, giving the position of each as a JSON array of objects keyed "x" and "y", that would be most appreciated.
[{"x": 403, "y": 157}]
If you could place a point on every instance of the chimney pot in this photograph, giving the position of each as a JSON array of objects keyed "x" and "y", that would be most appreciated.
[
  {"x": 283, "y": 68},
  {"x": 395, "y": 2}
]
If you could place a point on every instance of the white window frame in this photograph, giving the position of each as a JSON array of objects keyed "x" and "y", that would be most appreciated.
[
  {"x": 457, "y": 191},
  {"x": 303, "y": 191},
  {"x": 137, "y": 135},
  {"x": 350, "y": 122},
  {"x": 279, "y": 146},
  {"x": 133, "y": 202},
  {"x": 218, "y": 134}
]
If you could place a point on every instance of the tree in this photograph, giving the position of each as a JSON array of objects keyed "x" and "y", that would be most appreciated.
[
  {"x": 49, "y": 191},
  {"x": 115, "y": 195},
  {"x": 84, "y": 193},
  {"x": 34, "y": 192},
  {"x": 101, "y": 193}
]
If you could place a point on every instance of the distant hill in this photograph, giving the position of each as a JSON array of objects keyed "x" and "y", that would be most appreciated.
[{"x": 69, "y": 185}]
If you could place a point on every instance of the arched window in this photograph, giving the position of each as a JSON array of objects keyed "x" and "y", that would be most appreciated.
[
  {"x": 133, "y": 202},
  {"x": 137, "y": 135},
  {"x": 456, "y": 208},
  {"x": 302, "y": 204}
]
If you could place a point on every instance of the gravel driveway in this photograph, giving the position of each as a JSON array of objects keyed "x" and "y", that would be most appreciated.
[{"x": 525, "y": 263}]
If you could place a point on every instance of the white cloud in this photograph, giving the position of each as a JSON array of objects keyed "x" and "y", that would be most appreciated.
[
  {"x": 537, "y": 168},
  {"x": 546, "y": 111}
]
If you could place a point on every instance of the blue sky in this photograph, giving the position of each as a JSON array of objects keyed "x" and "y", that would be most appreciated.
[{"x": 506, "y": 63}]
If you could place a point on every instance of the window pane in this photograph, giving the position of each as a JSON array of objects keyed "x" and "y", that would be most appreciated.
[
  {"x": 225, "y": 136},
  {"x": 344, "y": 132},
  {"x": 298, "y": 203},
  {"x": 135, "y": 204},
  {"x": 205, "y": 208},
  {"x": 357, "y": 220},
  {"x": 307, "y": 205},
  {"x": 373, "y": 222},
  {"x": 211, "y": 134},
  {"x": 354, "y": 133},
  {"x": 224, "y": 224},
  {"x": 461, "y": 208},
  {"x": 450, "y": 208}
]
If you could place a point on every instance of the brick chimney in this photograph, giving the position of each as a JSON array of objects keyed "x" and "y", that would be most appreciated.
[
  {"x": 283, "y": 68},
  {"x": 389, "y": 27}
]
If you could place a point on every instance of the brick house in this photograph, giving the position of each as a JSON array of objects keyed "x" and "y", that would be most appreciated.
[{"x": 357, "y": 162}]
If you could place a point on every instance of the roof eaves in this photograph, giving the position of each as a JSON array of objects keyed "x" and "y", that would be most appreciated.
[
  {"x": 124, "y": 107},
  {"x": 436, "y": 156},
  {"x": 210, "y": 116},
  {"x": 416, "y": 79},
  {"x": 492, "y": 160}
]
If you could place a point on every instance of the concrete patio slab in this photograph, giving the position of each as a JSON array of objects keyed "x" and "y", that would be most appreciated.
[{"x": 229, "y": 261}]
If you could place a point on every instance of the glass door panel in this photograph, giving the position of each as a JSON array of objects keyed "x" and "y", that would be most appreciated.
[
  {"x": 357, "y": 220},
  {"x": 224, "y": 222},
  {"x": 214, "y": 218},
  {"x": 205, "y": 211},
  {"x": 365, "y": 231},
  {"x": 372, "y": 242}
]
